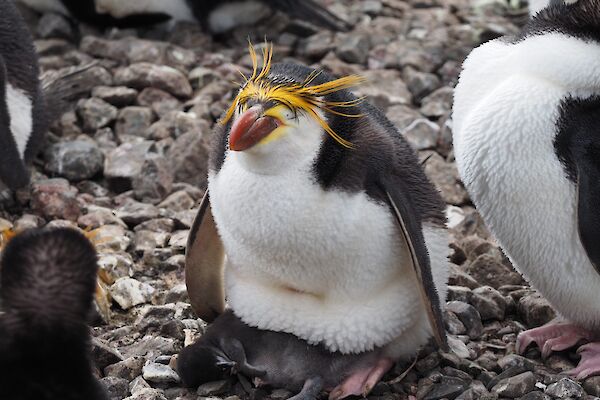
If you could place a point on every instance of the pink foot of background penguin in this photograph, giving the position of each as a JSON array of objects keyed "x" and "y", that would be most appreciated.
[
  {"x": 526, "y": 118},
  {"x": 324, "y": 232}
]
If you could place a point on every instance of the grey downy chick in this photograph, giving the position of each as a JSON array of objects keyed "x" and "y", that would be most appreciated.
[{"x": 277, "y": 359}]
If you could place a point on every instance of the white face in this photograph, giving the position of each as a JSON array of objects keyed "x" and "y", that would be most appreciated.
[{"x": 291, "y": 146}]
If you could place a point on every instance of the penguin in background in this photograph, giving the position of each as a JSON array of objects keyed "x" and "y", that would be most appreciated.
[
  {"x": 214, "y": 16},
  {"x": 331, "y": 229},
  {"x": 23, "y": 118},
  {"x": 526, "y": 117},
  {"x": 47, "y": 283},
  {"x": 27, "y": 104}
]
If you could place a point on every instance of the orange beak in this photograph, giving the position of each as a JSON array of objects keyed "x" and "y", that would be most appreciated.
[{"x": 250, "y": 128}]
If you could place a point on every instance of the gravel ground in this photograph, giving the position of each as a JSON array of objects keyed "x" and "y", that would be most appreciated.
[{"x": 130, "y": 160}]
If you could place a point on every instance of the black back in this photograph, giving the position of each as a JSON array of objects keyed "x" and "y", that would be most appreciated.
[
  {"x": 47, "y": 283},
  {"x": 581, "y": 20}
]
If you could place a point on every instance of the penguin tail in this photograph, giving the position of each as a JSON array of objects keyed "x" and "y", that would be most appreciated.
[
  {"x": 311, "y": 11},
  {"x": 61, "y": 88},
  {"x": 48, "y": 279}
]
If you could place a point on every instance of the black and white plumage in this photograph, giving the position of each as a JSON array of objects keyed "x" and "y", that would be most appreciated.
[
  {"x": 344, "y": 247},
  {"x": 526, "y": 114},
  {"x": 215, "y": 16},
  {"x": 47, "y": 284},
  {"x": 23, "y": 119}
]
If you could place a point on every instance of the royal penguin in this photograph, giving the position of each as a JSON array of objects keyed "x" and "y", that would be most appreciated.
[
  {"x": 47, "y": 283},
  {"x": 215, "y": 16},
  {"x": 525, "y": 118},
  {"x": 23, "y": 116},
  {"x": 330, "y": 228},
  {"x": 269, "y": 358}
]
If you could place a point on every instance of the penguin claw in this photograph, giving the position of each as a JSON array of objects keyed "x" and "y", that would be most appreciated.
[
  {"x": 554, "y": 336},
  {"x": 589, "y": 364},
  {"x": 362, "y": 381}
]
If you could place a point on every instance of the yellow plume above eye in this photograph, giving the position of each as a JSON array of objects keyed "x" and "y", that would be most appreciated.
[{"x": 302, "y": 97}]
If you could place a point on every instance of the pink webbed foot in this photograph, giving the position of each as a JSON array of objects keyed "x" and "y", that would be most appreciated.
[
  {"x": 590, "y": 361},
  {"x": 554, "y": 336},
  {"x": 362, "y": 381}
]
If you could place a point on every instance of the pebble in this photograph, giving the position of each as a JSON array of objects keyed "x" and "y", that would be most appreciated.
[
  {"x": 187, "y": 156},
  {"x": 147, "y": 394},
  {"x": 95, "y": 113},
  {"x": 469, "y": 316},
  {"x": 515, "y": 386},
  {"x": 116, "y": 388},
  {"x": 535, "y": 310},
  {"x": 124, "y": 163},
  {"x": 141, "y": 75},
  {"x": 104, "y": 354},
  {"x": 55, "y": 198},
  {"x": 133, "y": 212},
  {"x": 75, "y": 160},
  {"x": 489, "y": 302},
  {"x": 127, "y": 369},
  {"x": 134, "y": 120},
  {"x": 118, "y": 96},
  {"x": 565, "y": 388},
  {"x": 154, "y": 181},
  {"x": 129, "y": 292},
  {"x": 592, "y": 385},
  {"x": 159, "y": 373}
]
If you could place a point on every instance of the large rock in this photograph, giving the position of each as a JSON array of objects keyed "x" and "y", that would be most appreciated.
[
  {"x": 141, "y": 75},
  {"x": 75, "y": 160},
  {"x": 535, "y": 310},
  {"x": 95, "y": 113},
  {"x": 155, "y": 180},
  {"x": 189, "y": 158},
  {"x": 124, "y": 163},
  {"x": 55, "y": 198},
  {"x": 134, "y": 120}
]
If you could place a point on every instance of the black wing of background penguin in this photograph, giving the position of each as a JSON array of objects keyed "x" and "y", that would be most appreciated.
[
  {"x": 47, "y": 283},
  {"x": 133, "y": 13},
  {"x": 27, "y": 106}
]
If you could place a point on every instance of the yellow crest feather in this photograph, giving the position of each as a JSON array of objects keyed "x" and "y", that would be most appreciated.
[{"x": 297, "y": 96}]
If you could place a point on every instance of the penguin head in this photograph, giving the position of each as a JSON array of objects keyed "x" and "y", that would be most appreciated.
[
  {"x": 49, "y": 275},
  {"x": 283, "y": 111}
]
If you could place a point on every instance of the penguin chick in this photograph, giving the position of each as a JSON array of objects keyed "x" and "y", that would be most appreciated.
[
  {"x": 272, "y": 358},
  {"x": 47, "y": 286},
  {"x": 526, "y": 114},
  {"x": 215, "y": 16},
  {"x": 332, "y": 231}
]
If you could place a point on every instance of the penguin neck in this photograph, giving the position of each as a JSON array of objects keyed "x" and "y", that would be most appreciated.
[{"x": 295, "y": 150}]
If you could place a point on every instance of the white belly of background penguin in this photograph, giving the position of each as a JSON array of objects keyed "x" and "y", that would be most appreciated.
[
  {"x": 526, "y": 114},
  {"x": 331, "y": 229}
]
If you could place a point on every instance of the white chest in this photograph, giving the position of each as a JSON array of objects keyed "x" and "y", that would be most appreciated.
[
  {"x": 504, "y": 145},
  {"x": 286, "y": 230},
  {"x": 20, "y": 112}
]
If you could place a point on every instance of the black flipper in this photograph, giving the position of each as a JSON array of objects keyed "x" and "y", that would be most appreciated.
[
  {"x": 577, "y": 146},
  {"x": 588, "y": 210},
  {"x": 13, "y": 172},
  {"x": 204, "y": 265},
  {"x": 311, "y": 11},
  {"x": 403, "y": 210}
]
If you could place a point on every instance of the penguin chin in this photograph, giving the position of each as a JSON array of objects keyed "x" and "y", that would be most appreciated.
[{"x": 292, "y": 148}]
